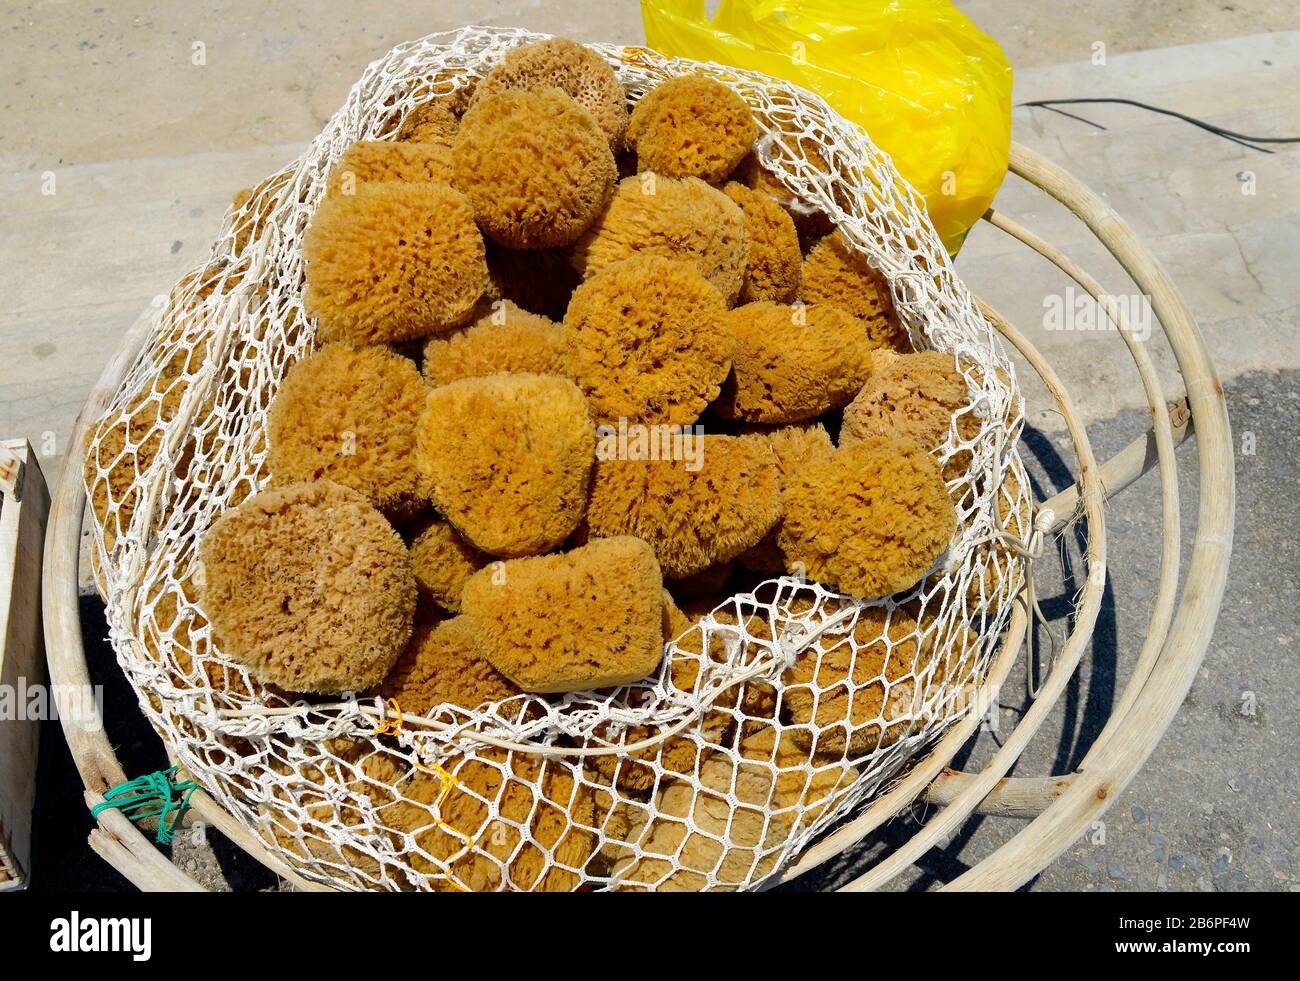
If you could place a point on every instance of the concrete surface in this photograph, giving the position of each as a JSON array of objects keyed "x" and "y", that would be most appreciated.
[{"x": 142, "y": 148}]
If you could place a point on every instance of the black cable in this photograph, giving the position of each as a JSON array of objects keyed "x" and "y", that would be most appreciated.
[{"x": 1227, "y": 134}]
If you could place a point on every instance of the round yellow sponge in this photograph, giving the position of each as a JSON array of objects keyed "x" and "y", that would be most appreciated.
[
  {"x": 647, "y": 341},
  {"x": 677, "y": 219},
  {"x": 871, "y": 519},
  {"x": 393, "y": 262},
  {"x": 694, "y": 512},
  {"x": 691, "y": 126},
  {"x": 375, "y": 161},
  {"x": 349, "y": 414},
  {"x": 535, "y": 166},
  {"x": 309, "y": 587},
  {"x": 574, "y": 69},
  {"x": 508, "y": 459},
  {"x": 795, "y": 446},
  {"x": 505, "y": 340},
  {"x": 792, "y": 363}
]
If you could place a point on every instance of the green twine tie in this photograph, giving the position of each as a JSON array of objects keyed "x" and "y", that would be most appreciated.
[{"x": 153, "y": 795}]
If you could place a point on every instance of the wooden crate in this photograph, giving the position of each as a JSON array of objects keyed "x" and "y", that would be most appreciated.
[{"x": 24, "y": 506}]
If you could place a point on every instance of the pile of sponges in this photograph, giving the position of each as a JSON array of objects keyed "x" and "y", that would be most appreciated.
[
  {"x": 544, "y": 393},
  {"x": 581, "y": 373}
]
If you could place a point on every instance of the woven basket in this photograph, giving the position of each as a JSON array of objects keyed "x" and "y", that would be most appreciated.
[{"x": 880, "y": 216}]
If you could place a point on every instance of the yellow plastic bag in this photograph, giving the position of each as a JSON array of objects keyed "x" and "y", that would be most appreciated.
[{"x": 930, "y": 89}]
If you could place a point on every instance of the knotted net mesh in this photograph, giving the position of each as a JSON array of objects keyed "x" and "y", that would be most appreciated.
[{"x": 768, "y": 720}]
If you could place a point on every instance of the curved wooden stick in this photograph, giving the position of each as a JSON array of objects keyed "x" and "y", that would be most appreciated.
[
  {"x": 1019, "y": 796},
  {"x": 1119, "y": 753}
]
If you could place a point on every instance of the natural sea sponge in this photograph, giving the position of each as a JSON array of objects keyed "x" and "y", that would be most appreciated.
[
  {"x": 836, "y": 276},
  {"x": 349, "y": 414},
  {"x": 441, "y": 666},
  {"x": 691, "y": 126},
  {"x": 693, "y": 516},
  {"x": 442, "y": 562},
  {"x": 677, "y": 219},
  {"x": 429, "y": 122},
  {"x": 915, "y": 396},
  {"x": 376, "y": 161},
  {"x": 540, "y": 281},
  {"x": 796, "y": 446},
  {"x": 505, "y": 340},
  {"x": 871, "y": 519},
  {"x": 535, "y": 166},
  {"x": 508, "y": 459},
  {"x": 792, "y": 363},
  {"x": 647, "y": 341},
  {"x": 576, "y": 70},
  {"x": 773, "y": 263},
  {"x": 590, "y": 618},
  {"x": 309, "y": 587},
  {"x": 393, "y": 262}
]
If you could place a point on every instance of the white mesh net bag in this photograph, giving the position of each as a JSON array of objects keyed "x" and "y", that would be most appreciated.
[{"x": 768, "y": 720}]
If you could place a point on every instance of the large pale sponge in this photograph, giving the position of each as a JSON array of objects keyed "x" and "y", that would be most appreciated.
[
  {"x": 507, "y": 459},
  {"x": 590, "y": 618},
  {"x": 716, "y": 831},
  {"x": 309, "y": 587},
  {"x": 856, "y": 690}
]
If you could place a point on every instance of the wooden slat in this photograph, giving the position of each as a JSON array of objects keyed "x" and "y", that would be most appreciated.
[{"x": 24, "y": 506}]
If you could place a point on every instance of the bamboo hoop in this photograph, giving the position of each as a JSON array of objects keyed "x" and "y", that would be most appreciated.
[{"x": 1059, "y": 807}]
